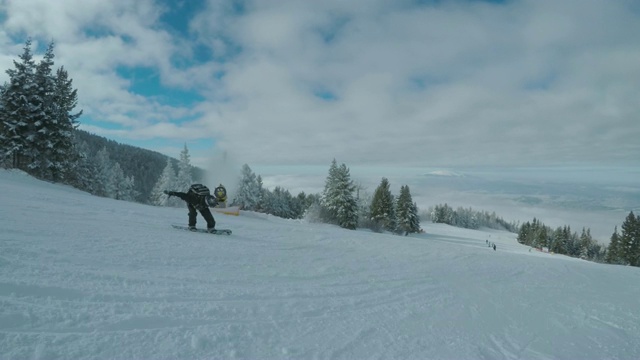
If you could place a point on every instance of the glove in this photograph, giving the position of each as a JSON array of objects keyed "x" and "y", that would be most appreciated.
[{"x": 168, "y": 192}]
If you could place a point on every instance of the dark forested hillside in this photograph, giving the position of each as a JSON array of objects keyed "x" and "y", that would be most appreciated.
[{"x": 144, "y": 165}]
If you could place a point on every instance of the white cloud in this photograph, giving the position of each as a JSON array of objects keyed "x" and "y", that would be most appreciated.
[
  {"x": 451, "y": 83},
  {"x": 526, "y": 82}
]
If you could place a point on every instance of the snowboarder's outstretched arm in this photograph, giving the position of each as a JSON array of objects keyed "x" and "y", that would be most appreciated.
[
  {"x": 194, "y": 199},
  {"x": 181, "y": 195}
]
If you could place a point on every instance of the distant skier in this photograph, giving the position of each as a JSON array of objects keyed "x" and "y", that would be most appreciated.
[
  {"x": 199, "y": 198},
  {"x": 494, "y": 247}
]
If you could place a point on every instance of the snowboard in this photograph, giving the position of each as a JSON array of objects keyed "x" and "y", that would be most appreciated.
[{"x": 217, "y": 231}]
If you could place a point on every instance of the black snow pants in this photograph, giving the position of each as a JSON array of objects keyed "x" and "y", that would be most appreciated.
[{"x": 206, "y": 214}]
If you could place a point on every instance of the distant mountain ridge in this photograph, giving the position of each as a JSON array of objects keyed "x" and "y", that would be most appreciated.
[{"x": 444, "y": 173}]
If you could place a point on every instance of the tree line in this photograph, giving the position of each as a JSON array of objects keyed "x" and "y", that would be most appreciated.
[
  {"x": 342, "y": 202},
  {"x": 468, "y": 218},
  {"x": 250, "y": 194},
  {"x": 623, "y": 248}
]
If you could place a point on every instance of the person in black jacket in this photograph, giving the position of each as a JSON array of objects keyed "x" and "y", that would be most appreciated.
[{"x": 198, "y": 202}]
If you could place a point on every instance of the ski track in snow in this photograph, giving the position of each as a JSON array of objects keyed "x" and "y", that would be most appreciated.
[{"x": 83, "y": 277}]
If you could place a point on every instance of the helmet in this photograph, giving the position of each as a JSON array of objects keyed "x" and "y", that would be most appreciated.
[
  {"x": 221, "y": 193},
  {"x": 210, "y": 200}
]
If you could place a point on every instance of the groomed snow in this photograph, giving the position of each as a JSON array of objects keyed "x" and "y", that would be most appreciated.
[{"x": 83, "y": 277}]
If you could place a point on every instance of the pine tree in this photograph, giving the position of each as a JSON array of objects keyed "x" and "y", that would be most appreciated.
[
  {"x": 560, "y": 240},
  {"x": 585, "y": 243},
  {"x": 166, "y": 181},
  {"x": 263, "y": 192},
  {"x": 635, "y": 248},
  {"x": 19, "y": 112},
  {"x": 629, "y": 245},
  {"x": 573, "y": 248},
  {"x": 522, "y": 234},
  {"x": 117, "y": 182},
  {"x": 541, "y": 237},
  {"x": 364, "y": 199},
  {"x": 330, "y": 187},
  {"x": 344, "y": 203},
  {"x": 443, "y": 214},
  {"x": 626, "y": 239},
  {"x": 279, "y": 203},
  {"x": 65, "y": 98},
  {"x": 81, "y": 173},
  {"x": 122, "y": 187},
  {"x": 407, "y": 212},
  {"x": 128, "y": 189},
  {"x": 613, "y": 251},
  {"x": 248, "y": 193},
  {"x": 45, "y": 132},
  {"x": 338, "y": 200},
  {"x": 382, "y": 208},
  {"x": 103, "y": 166},
  {"x": 299, "y": 205},
  {"x": 184, "y": 180},
  {"x": 415, "y": 219}
]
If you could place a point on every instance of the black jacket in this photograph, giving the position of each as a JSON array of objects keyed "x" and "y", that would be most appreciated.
[{"x": 195, "y": 200}]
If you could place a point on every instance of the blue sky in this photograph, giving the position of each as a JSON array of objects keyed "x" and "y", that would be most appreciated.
[{"x": 368, "y": 82}]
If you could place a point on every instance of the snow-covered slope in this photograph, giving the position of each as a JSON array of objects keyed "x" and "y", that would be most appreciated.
[{"x": 83, "y": 277}]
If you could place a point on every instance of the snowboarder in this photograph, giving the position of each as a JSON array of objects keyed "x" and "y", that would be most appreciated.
[{"x": 198, "y": 198}]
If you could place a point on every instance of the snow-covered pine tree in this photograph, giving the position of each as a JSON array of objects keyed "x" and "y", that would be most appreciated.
[
  {"x": 263, "y": 194},
  {"x": 613, "y": 256},
  {"x": 522, "y": 233},
  {"x": 278, "y": 203},
  {"x": 585, "y": 243},
  {"x": 338, "y": 197},
  {"x": 166, "y": 181},
  {"x": 116, "y": 182},
  {"x": 281, "y": 203},
  {"x": 635, "y": 247},
  {"x": 185, "y": 179},
  {"x": 382, "y": 208},
  {"x": 81, "y": 173},
  {"x": 65, "y": 98},
  {"x": 19, "y": 113},
  {"x": 443, "y": 214},
  {"x": 128, "y": 189},
  {"x": 326, "y": 199},
  {"x": 104, "y": 166},
  {"x": 407, "y": 212},
  {"x": 299, "y": 205},
  {"x": 249, "y": 191},
  {"x": 123, "y": 186},
  {"x": 629, "y": 241},
  {"x": 363, "y": 198},
  {"x": 347, "y": 211},
  {"x": 541, "y": 237},
  {"x": 562, "y": 240},
  {"x": 415, "y": 218},
  {"x": 44, "y": 129}
]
